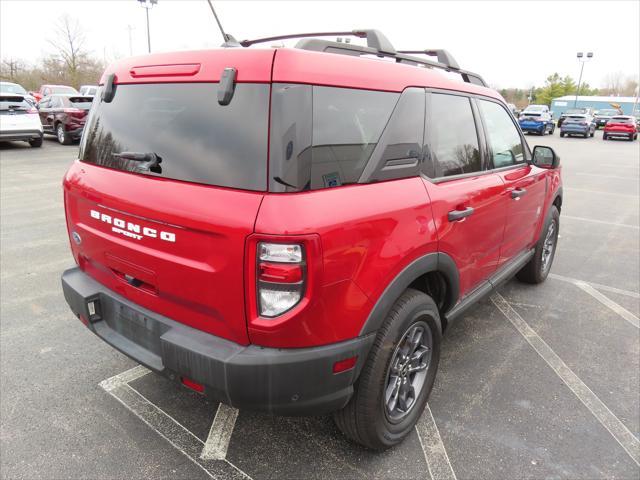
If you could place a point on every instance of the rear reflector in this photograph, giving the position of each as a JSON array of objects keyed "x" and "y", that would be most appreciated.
[
  {"x": 344, "y": 365},
  {"x": 195, "y": 386}
]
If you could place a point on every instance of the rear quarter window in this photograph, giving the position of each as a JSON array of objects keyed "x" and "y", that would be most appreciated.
[{"x": 197, "y": 139}]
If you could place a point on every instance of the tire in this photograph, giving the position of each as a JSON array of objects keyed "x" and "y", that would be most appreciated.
[
  {"x": 561, "y": 134},
  {"x": 537, "y": 269},
  {"x": 553, "y": 129},
  {"x": 586, "y": 135},
  {"x": 366, "y": 419},
  {"x": 62, "y": 136},
  {"x": 36, "y": 142},
  {"x": 604, "y": 136},
  {"x": 592, "y": 134}
]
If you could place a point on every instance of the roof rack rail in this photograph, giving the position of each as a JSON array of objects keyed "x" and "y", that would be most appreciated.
[
  {"x": 378, "y": 45},
  {"x": 375, "y": 39}
]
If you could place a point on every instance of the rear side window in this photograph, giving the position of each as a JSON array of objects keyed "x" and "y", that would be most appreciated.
[
  {"x": 196, "y": 139},
  {"x": 504, "y": 139},
  {"x": 323, "y": 137},
  {"x": 454, "y": 139}
]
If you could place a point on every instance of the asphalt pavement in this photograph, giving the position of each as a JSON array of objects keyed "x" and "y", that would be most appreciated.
[{"x": 535, "y": 382}]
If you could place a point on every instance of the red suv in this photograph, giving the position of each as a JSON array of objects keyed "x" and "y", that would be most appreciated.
[
  {"x": 621, "y": 126},
  {"x": 292, "y": 229}
]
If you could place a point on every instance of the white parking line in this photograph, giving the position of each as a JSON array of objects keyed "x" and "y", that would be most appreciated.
[
  {"x": 599, "y": 286},
  {"x": 620, "y": 310},
  {"x": 618, "y": 430},
  {"x": 607, "y": 176},
  {"x": 435, "y": 454},
  {"x": 593, "y": 220},
  {"x": 167, "y": 427},
  {"x": 600, "y": 192},
  {"x": 217, "y": 444}
]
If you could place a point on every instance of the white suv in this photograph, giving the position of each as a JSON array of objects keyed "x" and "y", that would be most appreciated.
[{"x": 19, "y": 120}]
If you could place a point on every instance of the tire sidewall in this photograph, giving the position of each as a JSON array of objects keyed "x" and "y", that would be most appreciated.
[
  {"x": 552, "y": 216},
  {"x": 392, "y": 433}
]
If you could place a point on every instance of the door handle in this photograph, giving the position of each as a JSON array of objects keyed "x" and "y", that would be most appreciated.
[
  {"x": 518, "y": 192},
  {"x": 457, "y": 215}
]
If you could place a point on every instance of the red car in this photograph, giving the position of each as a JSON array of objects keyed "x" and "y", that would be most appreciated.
[
  {"x": 46, "y": 90},
  {"x": 64, "y": 116},
  {"x": 621, "y": 126},
  {"x": 293, "y": 229}
]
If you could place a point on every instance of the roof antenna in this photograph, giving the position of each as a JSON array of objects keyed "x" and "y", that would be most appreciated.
[{"x": 229, "y": 41}]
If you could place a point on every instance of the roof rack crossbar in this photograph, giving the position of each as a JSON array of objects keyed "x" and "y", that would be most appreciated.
[
  {"x": 319, "y": 45},
  {"x": 375, "y": 38},
  {"x": 443, "y": 56}
]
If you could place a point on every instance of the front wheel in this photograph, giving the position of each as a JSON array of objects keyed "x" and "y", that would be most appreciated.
[
  {"x": 537, "y": 269},
  {"x": 398, "y": 376}
]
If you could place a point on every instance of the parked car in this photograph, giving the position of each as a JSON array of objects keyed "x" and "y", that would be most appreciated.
[
  {"x": 603, "y": 116},
  {"x": 621, "y": 126},
  {"x": 574, "y": 111},
  {"x": 64, "y": 116},
  {"x": 88, "y": 90},
  {"x": 578, "y": 124},
  {"x": 46, "y": 90},
  {"x": 537, "y": 119},
  {"x": 281, "y": 232},
  {"x": 10, "y": 88},
  {"x": 19, "y": 120},
  {"x": 637, "y": 117}
]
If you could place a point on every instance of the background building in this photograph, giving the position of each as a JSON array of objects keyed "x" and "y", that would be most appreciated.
[{"x": 560, "y": 104}]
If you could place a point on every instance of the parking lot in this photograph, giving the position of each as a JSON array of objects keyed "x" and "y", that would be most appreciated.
[{"x": 536, "y": 382}]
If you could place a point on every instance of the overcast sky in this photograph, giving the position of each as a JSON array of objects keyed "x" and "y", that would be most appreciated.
[{"x": 515, "y": 43}]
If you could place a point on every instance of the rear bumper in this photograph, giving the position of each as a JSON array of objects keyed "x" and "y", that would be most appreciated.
[
  {"x": 17, "y": 135},
  {"x": 532, "y": 126},
  {"x": 574, "y": 129},
  {"x": 620, "y": 133},
  {"x": 281, "y": 381}
]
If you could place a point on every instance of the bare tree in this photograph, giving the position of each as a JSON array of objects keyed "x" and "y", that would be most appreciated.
[
  {"x": 10, "y": 68},
  {"x": 613, "y": 83},
  {"x": 70, "y": 45}
]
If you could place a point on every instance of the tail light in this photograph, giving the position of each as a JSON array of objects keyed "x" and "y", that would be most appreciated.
[
  {"x": 281, "y": 277},
  {"x": 75, "y": 112}
]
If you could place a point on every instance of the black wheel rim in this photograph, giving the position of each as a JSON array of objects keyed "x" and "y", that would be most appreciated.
[
  {"x": 407, "y": 372},
  {"x": 549, "y": 246}
]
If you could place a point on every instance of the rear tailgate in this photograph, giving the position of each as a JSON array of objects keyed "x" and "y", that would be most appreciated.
[{"x": 169, "y": 234}]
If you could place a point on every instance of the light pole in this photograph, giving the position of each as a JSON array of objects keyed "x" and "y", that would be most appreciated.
[
  {"x": 582, "y": 60},
  {"x": 148, "y": 4}
]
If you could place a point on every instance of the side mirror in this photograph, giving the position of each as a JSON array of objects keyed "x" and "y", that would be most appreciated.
[{"x": 545, "y": 157}]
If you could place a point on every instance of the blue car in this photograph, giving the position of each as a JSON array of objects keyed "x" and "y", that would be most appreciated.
[
  {"x": 536, "y": 119},
  {"x": 582, "y": 125}
]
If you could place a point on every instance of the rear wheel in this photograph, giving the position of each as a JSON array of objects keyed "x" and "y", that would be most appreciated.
[
  {"x": 553, "y": 129},
  {"x": 604, "y": 136},
  {"x": 63, "y": 138},
  {"x": 561, "y": 134},
  {"x": 592, "y": 133},
  {"x": 397, "y": 378},
  {"x": 36, "y": 142},
  {"x": 537, "y": 269}
]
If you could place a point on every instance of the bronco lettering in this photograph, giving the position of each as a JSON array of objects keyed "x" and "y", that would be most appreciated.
[{"x": 132, "y": 229}]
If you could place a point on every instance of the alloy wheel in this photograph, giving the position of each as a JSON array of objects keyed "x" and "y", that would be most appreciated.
[
  {"x": 407, "y": 371},
  {"x": 548, "y": 246}
]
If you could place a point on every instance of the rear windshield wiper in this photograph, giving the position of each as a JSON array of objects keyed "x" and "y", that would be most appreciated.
[{"x": 148, "y": 161}]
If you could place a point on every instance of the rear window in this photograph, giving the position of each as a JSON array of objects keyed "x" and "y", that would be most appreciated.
[
  {"x": 576, "y": 118},
  {"x": 621, "y": 120},
  {"x": 12, "y": 88},
  {"x": 196, "y": 139},
  {"x": 13, "y": 103},
  {"x": 530, "y": 114},
  {"x": 81, "y": 102},
  {"x": 63, "y": 90}
]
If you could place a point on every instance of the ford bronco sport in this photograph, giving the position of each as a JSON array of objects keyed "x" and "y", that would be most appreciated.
[{"x": 291, "y": 230}]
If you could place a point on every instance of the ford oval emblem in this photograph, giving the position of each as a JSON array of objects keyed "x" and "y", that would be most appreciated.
[{"x": 76, "y": 237}]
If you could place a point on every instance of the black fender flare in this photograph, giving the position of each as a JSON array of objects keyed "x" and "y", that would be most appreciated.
[
  {"x": 431, "y": 262},
  {"x": 557, "y": 195}
]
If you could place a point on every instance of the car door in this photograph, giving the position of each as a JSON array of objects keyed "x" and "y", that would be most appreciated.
[
  {"x": 468, "y": 206},
  {"x": 43, "y": 112},
  {"x": 524, "y": 184}
]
